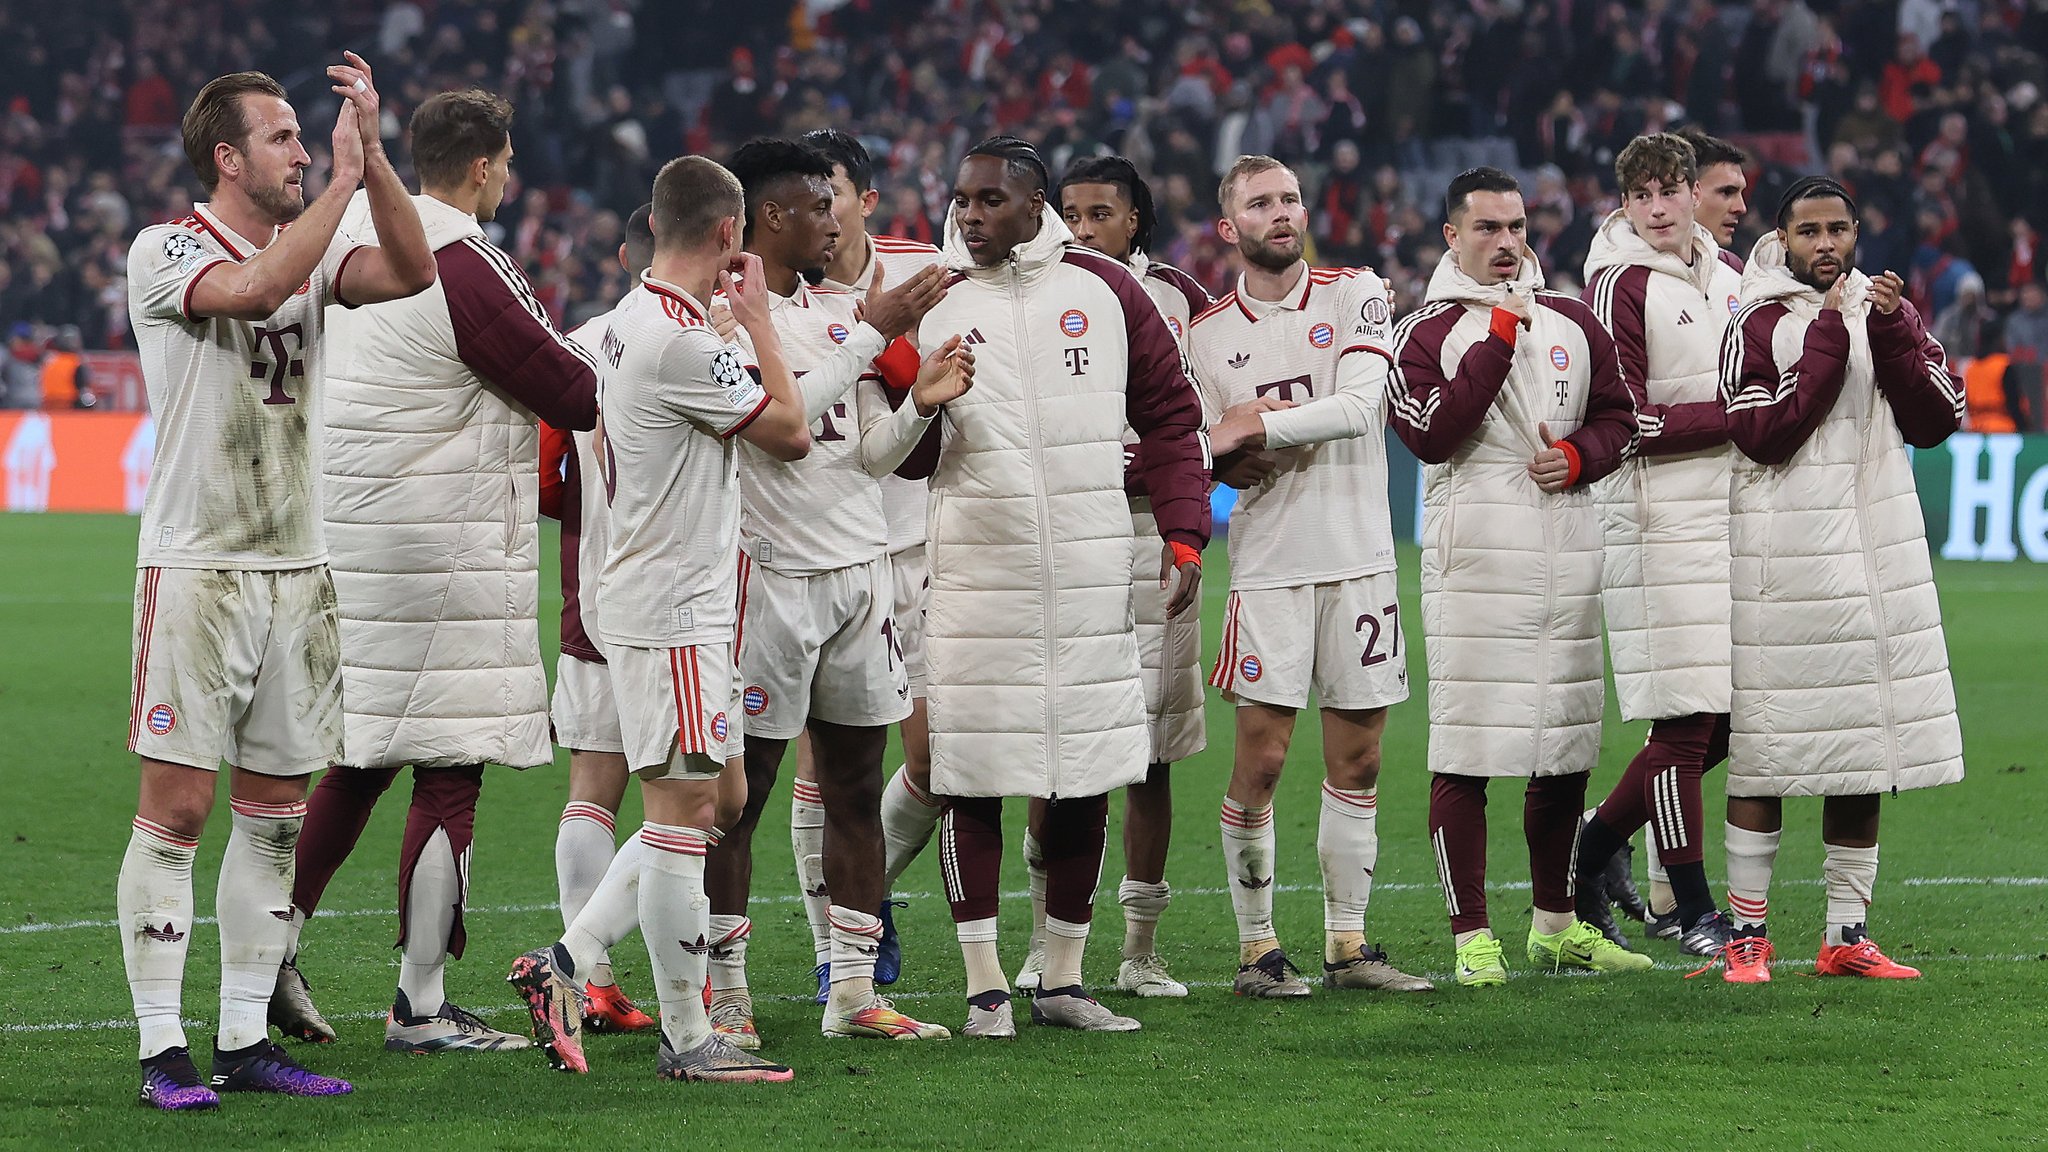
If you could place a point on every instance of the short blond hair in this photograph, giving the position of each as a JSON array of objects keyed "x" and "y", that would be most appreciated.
[{"x": 1244, "y": 169}]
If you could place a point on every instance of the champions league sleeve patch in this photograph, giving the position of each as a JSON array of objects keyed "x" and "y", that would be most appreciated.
[
  {"x": 730, "y": 373},
  {"x": 183, "y": 249}
]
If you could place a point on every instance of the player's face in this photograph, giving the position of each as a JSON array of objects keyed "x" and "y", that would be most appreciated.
[
  {"x": 1721, "y": 206},
  {"x": 1663, "y": 213},
  {"x": 850, "y": 207},
  {"x": 813, "y": 229},
  {"x": 994, "y": 210},
  {"x": 271, "y": 163},
  {"x": 1266, "y": 220},
  {"x": 1820, "y": 241},
  {"x": 497, "y": 170},
  {"x": 1487, "y": 236},
  {"x": 1101, "y": 217}
]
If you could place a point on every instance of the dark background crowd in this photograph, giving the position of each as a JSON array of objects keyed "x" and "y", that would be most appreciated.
[{"x": 1934, "y": 112}]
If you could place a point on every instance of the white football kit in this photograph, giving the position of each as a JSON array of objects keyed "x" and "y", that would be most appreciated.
[
  {"x": 583, "y": 710},
  {"x": 236, "y": 643},
  {"x": 1312, "y": 601}
]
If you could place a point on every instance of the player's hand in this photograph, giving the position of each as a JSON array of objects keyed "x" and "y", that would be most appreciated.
[
  {"x": 898, "y": 310},
  {"x": 945, "y": 374},
  {"x": 1245, "y": 470},
  {"x": 1190, "y": 588},
  {"x": 1517, "y": 304},
  {"x": 1886, "y": 291},
  {"x": 746, "y": 292},
  {"x": 722, "y": 321},
  {"x": 353, "y": 83},
  {"x": 347, "y": 143},
  {"x": 1243, "y": 425},
  {"x": 1550, "y": 468},
  {"x": 1832, "y": 300}
]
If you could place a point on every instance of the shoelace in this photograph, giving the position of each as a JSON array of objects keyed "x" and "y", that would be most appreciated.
[
  {"x": 1276, "y": 966},
  {"x": 464, "y": 1019},
  {"x": 1744, "y": 950}
]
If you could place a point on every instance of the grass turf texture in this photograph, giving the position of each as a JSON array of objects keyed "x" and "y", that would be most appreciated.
[{"x": 1549, "y": 1060}]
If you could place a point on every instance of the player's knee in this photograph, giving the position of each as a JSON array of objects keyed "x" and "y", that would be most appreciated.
[
  {"x": 1259, "y": 767},
  {"x": 1355, "y": 769},
  {"x": 727, "y": 809}
]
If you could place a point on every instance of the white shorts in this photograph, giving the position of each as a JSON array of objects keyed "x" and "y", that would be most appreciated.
[
  {"x": 821, "y": 646},
  {"x": 1345, "y": 640},
  {"x": 912, "y": 576},
  {"x": 679, "y": 709},
  {"x": 584, "y": 712},
  {"x": 1169, "y": 653},
  {"x": 237, "y": 666}
]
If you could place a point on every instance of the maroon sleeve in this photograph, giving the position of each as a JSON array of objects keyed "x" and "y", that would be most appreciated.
[
  {"x": 1197, "y": 296},
  {"x": 1619, "y": 299},
  {"x": 1607, "y": 437},
  {"x": 1731, "y": 260},
  {"x": 1912, "y": 373},
  {"x": 503, "y": 333},
  {"x": 1772, "y": 410},
  {"x": 1160, "y": 402},
  {"x": 1434, "y": 414},
  {"x": 575, "y": 639}
]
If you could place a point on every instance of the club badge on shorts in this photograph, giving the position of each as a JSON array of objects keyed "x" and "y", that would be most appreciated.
[
  {"x": 719, "y": 727},
  {"x": 1074, "y": 323},
  {"x": 160, "y": 719},
  {"x": 1251, "y": 669},
  {"x": 754, "y": 699}
]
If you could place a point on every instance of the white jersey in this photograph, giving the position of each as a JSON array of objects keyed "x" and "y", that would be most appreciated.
[
  {"x": 672, "y": 397},
  {"x": 892, "y": 261},
  {"x": 1321, "y": 516},
  {"x": 593, "y": 520},
  {"x": 236, "y": 405},
  {"x": 823, "y": 512}
]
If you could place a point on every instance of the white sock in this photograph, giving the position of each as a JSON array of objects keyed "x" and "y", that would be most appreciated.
[
  {"x": 728, "y": 961},
  {"x": 1850, "y": 875},
  {"x": 807, "y": 845},
  {"x": 584, "y": 843},
  {"x": 1142, "y": 903},
  {"x": 296, "y": 925},
  {"x": 908, "y": 816},
  {"x": 1751, "y": 858},
  {"x": 254, "y": 906},
  {"x": 154, "y": 899},
  {"x": 1348, "y": 842},
  {"x": 676, "y": 920},
  {"x": 1064, "y": 943},
  {"x": 1034, "y": 872},
  {"x": 1248, "y": 861},
  {"x": 609, "y": 916},
  {"x": 431, "y": 901},
  {"x": 978, "y": 951},
  {"x": 1662, "y": 899},
  {"x": 856, "y": 937}
]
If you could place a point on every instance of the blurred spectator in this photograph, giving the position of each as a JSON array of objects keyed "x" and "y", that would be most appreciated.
[{"x": 2026, "y": 343}]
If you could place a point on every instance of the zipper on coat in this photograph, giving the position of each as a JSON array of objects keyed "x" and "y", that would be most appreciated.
[
  {"x": 1885, "y": 715},
  {"x": 1045, "y": 572}
]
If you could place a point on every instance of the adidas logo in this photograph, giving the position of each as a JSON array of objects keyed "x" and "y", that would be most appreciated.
[
  {"x": 1256, "y": 883},
  {"x": 865, "y": 950},
  {"x": 699, "y": 948},
  {"x": 974, "y": 336},
  {"x": 1240, "y": 360},
  {"x": 817, "y": 893},
  {"x": 284, "y": 914},
  {"x": 1685, "y": 317},
  {"x": 167, "y": 934}
]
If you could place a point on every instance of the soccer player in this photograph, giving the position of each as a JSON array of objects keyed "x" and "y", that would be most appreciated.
[
  {"x": 1035, "y": 682},
  {"x": 1312, "y": 585},
  {"x": 676, "y": 399},
  {"x": 1841, "y": 681},
  {"x": 1108, "y": 208},
  {"x": 816, "y": 639},
  {"x": 236, "y": 652},
  {"x": 1656, "y": 281},
  {"x": 1513, "y": 398},
  {"x": 431, "y": 467},
  {"x": 584, "y": 715},
  {"x": 860, "y": 265}
]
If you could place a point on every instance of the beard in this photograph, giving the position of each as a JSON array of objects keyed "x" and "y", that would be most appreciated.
[
  {"x": 1802, "y": 270},
  {"x": 1270, "y": 257},
  {"x": 279, "y": 203},
  {"x": 812, "y": 276}
]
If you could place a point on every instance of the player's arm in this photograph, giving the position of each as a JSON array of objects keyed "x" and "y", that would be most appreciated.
[
  {"x": 1434, "y": 413},
  {"x": 402, "y": 265},
  {"x": 1772, "y": 410},
  {"x": 557, "y": 456},
  {"x": 846, "y": 364},
  {"x": 1617, "y": 297},
  {"x": 899, "y": 432},
  {"x": 504, "y": 335},
  {"x": 779, "y": 426},
  {"x": 1607, "y": 435},
  {"x": 1162, "y": 404},
  {"x": 1912, "y": 370}
]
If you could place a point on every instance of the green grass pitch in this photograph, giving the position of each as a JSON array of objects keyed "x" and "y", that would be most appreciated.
[{"x": 1954, "y": 1060}]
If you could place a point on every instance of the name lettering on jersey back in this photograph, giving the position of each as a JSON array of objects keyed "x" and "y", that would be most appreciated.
[
  {"x": 614, "y": 349},
  {"x": 285, "y": 363}
]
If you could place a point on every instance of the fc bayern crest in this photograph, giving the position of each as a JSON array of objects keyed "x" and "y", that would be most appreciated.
[
  {"x": 754, "y": 699},
  {"x": 160, "y": 720},
  {"x": 1250, "y": 668},
  {"x": 1734, "y": 305},
  {"x": 1559, "y": 358},
  {"x": 719, "y": 727},
  {"x": 1322, "y": 335},
  {"x": 1074, "y": 322},
  {"x": 1173, "y": 322},
  {"x": 837, "y": 332}
]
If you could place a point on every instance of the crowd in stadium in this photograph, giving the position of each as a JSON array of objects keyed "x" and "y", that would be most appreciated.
[{"x": 1934, "y": 113}]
